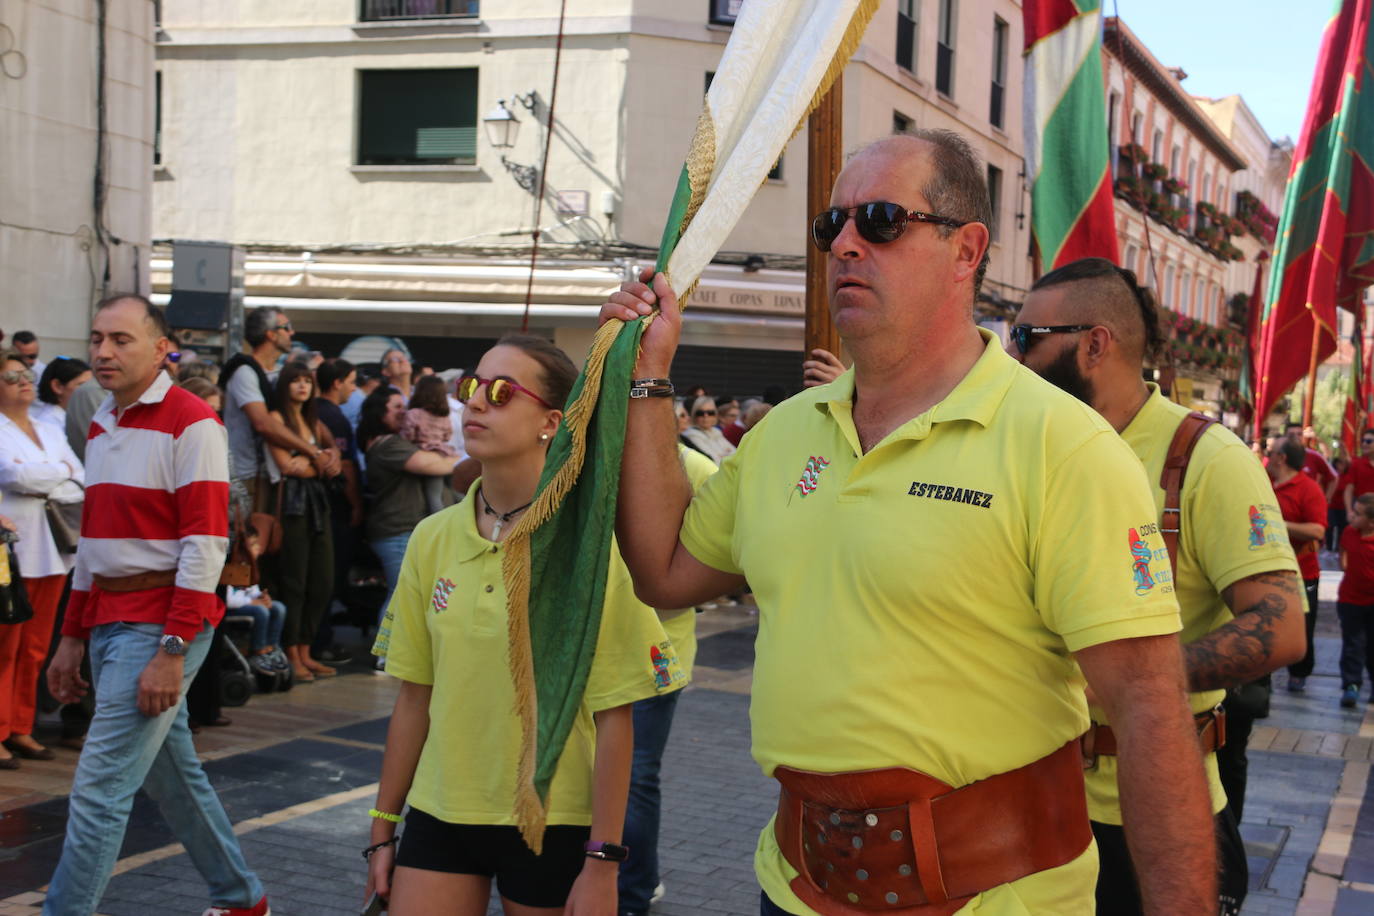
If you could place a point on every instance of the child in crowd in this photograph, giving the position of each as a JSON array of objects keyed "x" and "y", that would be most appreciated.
[
  {"x": 268, "y": 617},
  {"x": 1355, "y": 600},
  {"x": 427, "y": 424}
]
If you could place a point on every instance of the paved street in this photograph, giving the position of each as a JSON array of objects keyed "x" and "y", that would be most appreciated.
[{"x": 297, "y": 773}]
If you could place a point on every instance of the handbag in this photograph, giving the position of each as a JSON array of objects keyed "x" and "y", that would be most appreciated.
[
  {"x": 14, "y": 598},
  {"x": 240, "y": 567},
  {"x": 268, "y": 528},
  {"x": 64, "y": 521}
]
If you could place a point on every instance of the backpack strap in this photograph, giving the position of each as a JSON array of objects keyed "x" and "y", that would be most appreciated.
[{"x": 1186, "y": 438}]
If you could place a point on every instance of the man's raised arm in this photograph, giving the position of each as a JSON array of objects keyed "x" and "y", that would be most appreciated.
[{"x": 654, "y": 490}]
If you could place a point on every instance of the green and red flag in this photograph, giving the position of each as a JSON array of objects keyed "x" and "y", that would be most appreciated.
[
  {"x": 1068, "y": 160},
  {"x": 1324, "y": 257},
  {"x": 1357, "y": 405},
  {"x": 782, "y": 57}
]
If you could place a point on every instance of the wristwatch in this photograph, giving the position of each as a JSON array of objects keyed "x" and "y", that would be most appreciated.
[
  {"x": 173, "y": 645},
  {"x": 608, "y": 851}
]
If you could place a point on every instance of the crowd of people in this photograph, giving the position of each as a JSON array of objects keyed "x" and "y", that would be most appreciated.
[{"x": 1013, "y": 584}]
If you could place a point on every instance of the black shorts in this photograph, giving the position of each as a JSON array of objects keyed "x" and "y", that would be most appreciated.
[{"x": 497, "y": 852}]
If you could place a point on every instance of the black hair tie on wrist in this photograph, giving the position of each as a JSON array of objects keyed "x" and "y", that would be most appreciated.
[{"x": 367, "y": 853}]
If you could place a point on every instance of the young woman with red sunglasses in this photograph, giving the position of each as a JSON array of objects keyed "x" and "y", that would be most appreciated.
[{"x": 454, "y": 739}]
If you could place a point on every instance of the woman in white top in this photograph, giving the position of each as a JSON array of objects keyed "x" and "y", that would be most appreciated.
[
  {"x": 703, "y": 435},
  {"x": 36, "y": 464},
  {"x": 58, "y": 382}
]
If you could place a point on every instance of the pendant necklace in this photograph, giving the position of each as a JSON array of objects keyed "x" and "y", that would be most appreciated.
[{"x": 501, "y": 517}]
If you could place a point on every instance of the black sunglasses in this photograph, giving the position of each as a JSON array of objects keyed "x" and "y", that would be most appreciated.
[
  {"x": 878, "y": 222},
  {"x": 705, "y": 413},
  {"x": 1023, "y": 335}
]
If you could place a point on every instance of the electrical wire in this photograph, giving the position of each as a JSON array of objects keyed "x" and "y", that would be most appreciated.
[{"x": 544, "y": 167}]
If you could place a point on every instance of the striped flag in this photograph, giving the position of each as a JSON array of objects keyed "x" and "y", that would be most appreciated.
[
  {"x": 1324, "y": 256},
  {"x": 1067, "y": 148},
  {"x": 781, "y": 58}
]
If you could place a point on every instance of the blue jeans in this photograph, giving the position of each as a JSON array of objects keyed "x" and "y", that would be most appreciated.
[
  {"x": 391, "y": 551},
  {"x": 653, "y": 719},
  {"x": 125, "y": 750},
  {"x": 1357, "y": 646},
  {"x": 267, "y": 623}
]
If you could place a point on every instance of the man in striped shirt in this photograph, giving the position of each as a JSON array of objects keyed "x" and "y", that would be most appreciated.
[{"x": 153, "y": 538}]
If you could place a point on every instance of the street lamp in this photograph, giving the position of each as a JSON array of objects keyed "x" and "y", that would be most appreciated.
[{"x": 502, "y": 126}]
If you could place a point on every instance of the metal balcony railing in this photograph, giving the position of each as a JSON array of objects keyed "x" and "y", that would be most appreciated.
[{"x": 384, "y": 10}]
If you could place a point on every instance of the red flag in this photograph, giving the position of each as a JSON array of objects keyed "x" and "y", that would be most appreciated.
[
  {"x": 1325, "y": 252},
  {"x": 1356, "y": 402}
]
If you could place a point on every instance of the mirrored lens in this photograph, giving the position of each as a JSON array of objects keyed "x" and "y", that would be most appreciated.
[
  {"x": 826, "y": 227},
  {"x": 880, "y": 221},
  {"x": 499, "y": 391},
  {"x": 467, "y": 387}
]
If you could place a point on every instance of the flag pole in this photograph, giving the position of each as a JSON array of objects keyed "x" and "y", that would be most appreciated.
[
  {"x": 1311, "y": 375},
  {"x": 824, "y": 152}
]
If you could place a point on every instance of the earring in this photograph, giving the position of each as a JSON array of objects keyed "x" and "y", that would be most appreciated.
[{"x": 543, "y": 436}]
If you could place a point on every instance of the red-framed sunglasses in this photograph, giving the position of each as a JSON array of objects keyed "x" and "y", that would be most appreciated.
[{"x": 499, "y": 390}]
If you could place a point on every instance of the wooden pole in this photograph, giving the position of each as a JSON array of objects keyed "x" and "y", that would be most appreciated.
[
  {"x": 824, "y": 151},
  {"x": 1311, "y": 375}
]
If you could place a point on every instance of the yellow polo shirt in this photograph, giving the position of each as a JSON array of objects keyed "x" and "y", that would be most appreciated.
[
  {"x": 1232, "y": 528},
  {"x": 450, "y": 631},
  {"x": 682, "y": 626},
  {"x": 919, "y": 604}
]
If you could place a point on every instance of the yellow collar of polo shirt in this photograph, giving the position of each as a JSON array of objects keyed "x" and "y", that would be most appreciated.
[
  {"x": 470, "y": 544},
  {"x": 975, "y": 398}
]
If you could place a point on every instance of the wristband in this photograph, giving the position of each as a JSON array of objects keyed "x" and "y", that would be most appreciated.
[
  {"x": 394, "y": 818},
  {"x": 651, "y": 383},
  {"x": 367, "y": 853},
  {"x": 609, "y": 852}
]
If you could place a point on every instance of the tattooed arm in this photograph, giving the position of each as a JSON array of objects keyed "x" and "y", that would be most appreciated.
[{"x": 1267, "y": 633}]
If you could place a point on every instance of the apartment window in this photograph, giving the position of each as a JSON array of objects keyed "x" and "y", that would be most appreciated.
[
  {"x": 725, "y": 12},
  {"x": 157, "y": 118},
  {"x": 1204, "y": 306},
  {"x": 908, "y": 19},
  {"x": 1168, "y": 294},
  {"x": 1113, "y": 103},
  {"x": 944, "y": 49},
  {"x": 1174, "y": 160},
  {"x": 999, "y": 72},
  {"x": 1192, "y": 173},
  {"x": 417, "y": 117},
  {"x": 1157, "y": 146},
  {"x": 901, "y": 124},
  {"x": 995, "y": 201},
  {"x": 1137, "y": 124},
  {"x": 381, "y": 10},
  {"x": 1131, "y": 253},
  {"x": 1185, "y": 294},
  {"x": 1206, "y": 188}
]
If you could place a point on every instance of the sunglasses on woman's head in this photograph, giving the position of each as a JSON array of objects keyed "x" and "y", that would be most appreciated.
[
  {"x": 499, "y": 390},
  {"x": 878, "y": 222},
  {"x": 14, "y": 376}
]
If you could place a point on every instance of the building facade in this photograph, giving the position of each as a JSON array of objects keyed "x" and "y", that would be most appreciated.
[
  {"x": 76, "y": 144},
  {"x": 1198, "y": 184},
  {"x": 342, "y": 144}
]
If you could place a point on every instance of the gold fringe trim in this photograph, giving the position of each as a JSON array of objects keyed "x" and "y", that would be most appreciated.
[
  {"x": 530, "y": 813},
  {"x": 849, "y": 43},
  {"x": 701, "y": 162}
]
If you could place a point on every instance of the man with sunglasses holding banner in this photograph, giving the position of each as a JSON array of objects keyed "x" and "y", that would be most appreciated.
[
  {"x": 1087, "y": 327},
  {"x": 942, "y": 547}
]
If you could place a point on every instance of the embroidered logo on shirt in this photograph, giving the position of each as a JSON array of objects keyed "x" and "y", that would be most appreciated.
[
  {"x": 1140, "y": 564},
  {"x": 811, "y": 475},
  {"x": 439, "y": 599},
  {"x": 1257, "y": 525},
  {"x": 662, "y": 676}
]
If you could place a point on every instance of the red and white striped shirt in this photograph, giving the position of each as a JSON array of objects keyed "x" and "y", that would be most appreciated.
[{"x": 157, "y": 498}]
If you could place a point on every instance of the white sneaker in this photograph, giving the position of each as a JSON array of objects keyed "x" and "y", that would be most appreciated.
[{"x": 658, "y": 894}]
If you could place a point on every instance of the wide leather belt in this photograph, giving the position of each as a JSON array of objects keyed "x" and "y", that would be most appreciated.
[
  {"x": 137, "y": 582},
  {"x": 898, "y": 841},
  {"x": 1100, "y": 740}
]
